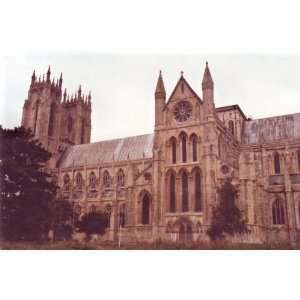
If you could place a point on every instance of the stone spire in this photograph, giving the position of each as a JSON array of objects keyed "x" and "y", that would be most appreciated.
[
  {"x": 207, "y": 82},
  {"x": 160, "y": 87}
]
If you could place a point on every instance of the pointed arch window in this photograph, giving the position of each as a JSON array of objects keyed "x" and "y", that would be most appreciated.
[
  {"x": 108, "y": 212},
  {"x": 106, "y": 179},
  {"x": 173, "y": 144},
  {"x": 67, "y": 182},
  {"x": 198, "y": 206},
  {"x": 298, "y": 160},
  {"x": 185, "y": 192},
  {"x": 146, "y": 210},
  {"x": 92, "y": 180},
  {"x": 183, "y": 147},
  {"x": 36, "y": 113},
  {"x": 122, "y": 215},
  {"x": 278, "y": 212},
  {"x": 276, "y": 163},
  {"x": 194, "y": 148},
  {"x": 121, "y": 178},
  {"x": 82, "y": 131},
  {"x": 172, "y": 193},
  {"x": 231, "y": 126},
  {"x": 79, "y": 181},
  {"x": 52, "y": 119}
]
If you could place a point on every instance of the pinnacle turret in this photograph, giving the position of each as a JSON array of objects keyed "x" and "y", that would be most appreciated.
[
  {"x": 65, "y": 95},
  {"x": 79, "y": 92},
  {"x": 207, "y": 82},
  {"x": 48, "y": 74},
  {"x": 160, "y": 87},
  {"x": 33, "y": 78},
  {"x": 60, "y": 80}
]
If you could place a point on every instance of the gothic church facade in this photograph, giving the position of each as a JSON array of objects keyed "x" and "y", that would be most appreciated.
[{"x": 163, "y": 185}]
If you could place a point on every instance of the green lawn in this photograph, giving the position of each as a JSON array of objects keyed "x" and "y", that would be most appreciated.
[{"x": 75, "y": 245}]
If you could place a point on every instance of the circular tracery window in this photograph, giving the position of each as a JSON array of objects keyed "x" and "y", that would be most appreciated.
[{"x": 183, "y": 111}]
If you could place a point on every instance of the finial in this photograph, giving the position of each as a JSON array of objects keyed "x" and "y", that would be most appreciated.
[
  {"x": 65, "y": 94},
  {"x": 33, "y": 77},
  {"x": 43, "y": 77},
  {"x": 39, "y": 78},
  {"x": 48, "y": 74},
  {"x": 181, "y": 72},
  {"x": 89, "y": 96},
  {"x": 79, "y": 91},
  {"x": 60, "y": 80}
]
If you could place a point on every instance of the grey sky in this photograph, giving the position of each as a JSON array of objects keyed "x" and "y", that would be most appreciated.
[{"x": 123, "y": 86}]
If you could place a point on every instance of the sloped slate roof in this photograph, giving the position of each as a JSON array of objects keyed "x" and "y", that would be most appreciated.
[
  {"x": 272, "y": 129},
  {"x": 130, "y": 148}
]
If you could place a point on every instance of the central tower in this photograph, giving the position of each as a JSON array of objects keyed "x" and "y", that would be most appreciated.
[{"x": 56, "y": 120}]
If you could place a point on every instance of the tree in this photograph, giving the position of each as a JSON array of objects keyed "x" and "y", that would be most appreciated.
[
  {"x": 26, "y": 190},
  {"x": 93, "y": 223},
  {"x": 227, "y": 218},
  {"x": 62, "y": 219}
]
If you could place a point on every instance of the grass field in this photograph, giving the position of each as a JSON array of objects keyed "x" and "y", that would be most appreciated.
[{"x": 76, "y": 245}]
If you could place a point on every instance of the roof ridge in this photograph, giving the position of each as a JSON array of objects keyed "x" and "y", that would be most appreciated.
[
  {"x": 116, "y": 139},
  {"x": 278, "y": 116}
]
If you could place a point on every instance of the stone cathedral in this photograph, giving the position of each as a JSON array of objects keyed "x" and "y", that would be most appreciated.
[{"x": 163, "y": 185}]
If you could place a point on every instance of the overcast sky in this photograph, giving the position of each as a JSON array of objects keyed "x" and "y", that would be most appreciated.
[{"x": 123, "y": 87}]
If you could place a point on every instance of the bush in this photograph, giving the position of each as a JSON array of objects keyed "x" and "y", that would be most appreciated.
[
  {"x": 63, "y": 232},
  {"x": 93, "y": 223},
  {"x": 227, "y": 218}
]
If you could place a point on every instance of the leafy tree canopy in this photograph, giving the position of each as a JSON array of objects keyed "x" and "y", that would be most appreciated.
[
  {"x": 227, "y": 218},
  {"x": 26, "y": 189}
]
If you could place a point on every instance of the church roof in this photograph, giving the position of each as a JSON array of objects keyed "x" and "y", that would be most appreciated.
[
  {"x": 272, "y": 129},
  {"x": 129, "y": 148}
]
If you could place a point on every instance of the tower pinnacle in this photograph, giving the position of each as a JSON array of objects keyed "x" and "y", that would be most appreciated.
[
  {"x": 33, "y": 78},
  {"x": 48, "y": 74},
  {"x": 60, "y": 81},
  {"x": 160, "y": 87},
  {"x": 207, "y": 82}
]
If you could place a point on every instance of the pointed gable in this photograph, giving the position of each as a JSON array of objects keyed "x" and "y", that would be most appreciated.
[{"x": 183, "y": 90}]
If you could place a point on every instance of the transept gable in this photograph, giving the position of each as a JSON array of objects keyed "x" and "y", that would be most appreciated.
[{"x": 183, "y": 91}]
